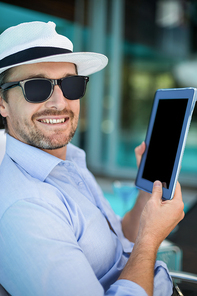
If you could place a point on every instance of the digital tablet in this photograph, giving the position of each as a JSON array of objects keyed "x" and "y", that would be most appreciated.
[{"x": 165, "y": 140}]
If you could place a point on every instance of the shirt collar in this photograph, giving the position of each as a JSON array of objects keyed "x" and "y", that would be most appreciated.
[{"x": 34, "y": 161}]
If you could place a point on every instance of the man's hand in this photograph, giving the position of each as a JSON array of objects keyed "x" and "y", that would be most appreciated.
[{"x": 159, "y": 217}]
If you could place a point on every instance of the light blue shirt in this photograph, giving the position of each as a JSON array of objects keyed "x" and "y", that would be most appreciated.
[{"x": 54, "y": 235}]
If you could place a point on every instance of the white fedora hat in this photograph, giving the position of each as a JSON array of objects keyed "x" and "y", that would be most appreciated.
[{"x": 37, "y": 42}]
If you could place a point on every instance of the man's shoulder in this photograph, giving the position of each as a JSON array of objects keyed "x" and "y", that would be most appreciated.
[{"x": 18, "y": 185}]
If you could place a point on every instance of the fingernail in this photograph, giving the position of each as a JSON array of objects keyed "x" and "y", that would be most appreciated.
[{"x": 157, "y": 184}]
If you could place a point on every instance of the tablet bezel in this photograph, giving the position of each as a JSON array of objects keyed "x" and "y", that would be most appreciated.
[{"x": 161, "y": 94}]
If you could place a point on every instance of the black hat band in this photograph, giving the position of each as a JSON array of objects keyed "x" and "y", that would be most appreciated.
[{"x": 31, "y": 54}]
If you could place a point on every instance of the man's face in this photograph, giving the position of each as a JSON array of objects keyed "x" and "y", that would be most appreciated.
[{"x": 49, "y": 125}]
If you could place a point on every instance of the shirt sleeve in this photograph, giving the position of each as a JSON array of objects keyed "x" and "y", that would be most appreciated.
[
  {"x": 124, "y": 287},
  {"x": 162, "y": 280},
  {"x": 39, "y": 255}
]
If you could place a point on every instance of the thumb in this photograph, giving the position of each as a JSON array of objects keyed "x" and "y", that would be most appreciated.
[{"x": 157, "y": 189}]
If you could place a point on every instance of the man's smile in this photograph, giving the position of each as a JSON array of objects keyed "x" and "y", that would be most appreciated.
[{"x": 53, "y": 121}]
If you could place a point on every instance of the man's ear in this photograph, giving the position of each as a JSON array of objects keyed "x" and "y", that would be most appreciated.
[{"x": 3, "y": 109}]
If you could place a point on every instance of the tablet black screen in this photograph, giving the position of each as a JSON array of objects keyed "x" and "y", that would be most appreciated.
[{"x": 164, "y": 140}]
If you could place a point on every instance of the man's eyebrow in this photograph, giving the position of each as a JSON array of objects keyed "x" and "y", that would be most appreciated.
[
  {"x": 45, "y": 76},
  {"x": 36, "y": 76}
]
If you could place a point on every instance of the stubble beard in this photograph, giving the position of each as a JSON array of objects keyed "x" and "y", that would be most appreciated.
[{"x": 35, "y": 137}]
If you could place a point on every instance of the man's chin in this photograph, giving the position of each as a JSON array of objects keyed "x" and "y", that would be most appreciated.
[{"x": 52, "y": 147}]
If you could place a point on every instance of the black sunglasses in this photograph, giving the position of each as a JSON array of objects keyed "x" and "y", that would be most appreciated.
[{"x": 38, "y": 90}]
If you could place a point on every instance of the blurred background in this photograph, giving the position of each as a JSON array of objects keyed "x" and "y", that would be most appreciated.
[{"x": 150, "y": 44}]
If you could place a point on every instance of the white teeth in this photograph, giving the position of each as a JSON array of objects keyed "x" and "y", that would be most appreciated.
[{"x": 53, "y": 121}]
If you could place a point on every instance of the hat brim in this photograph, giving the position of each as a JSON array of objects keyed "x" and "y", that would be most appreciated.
[{"x": 87, "y": 62}]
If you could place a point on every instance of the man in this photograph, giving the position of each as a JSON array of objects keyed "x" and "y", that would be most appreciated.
[{"x": 58, "y": 235}]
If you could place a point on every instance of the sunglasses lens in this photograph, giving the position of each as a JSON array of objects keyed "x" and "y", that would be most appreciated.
[
  {"x": 74, "y": 87},
  {"x": 37, "y": 90}
]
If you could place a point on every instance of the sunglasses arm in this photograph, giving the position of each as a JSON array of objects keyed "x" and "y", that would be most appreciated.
[{"x": 9, "y": 85}]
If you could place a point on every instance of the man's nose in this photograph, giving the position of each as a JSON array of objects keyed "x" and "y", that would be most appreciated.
[{"x": 57, "y": 99}]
